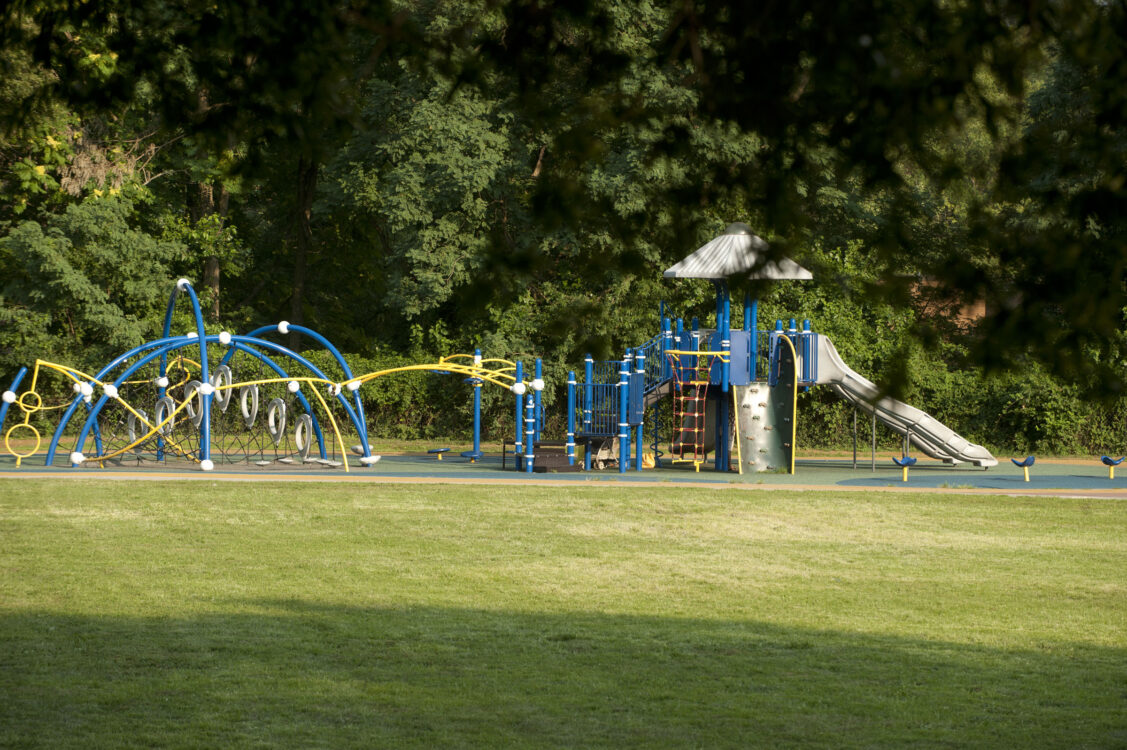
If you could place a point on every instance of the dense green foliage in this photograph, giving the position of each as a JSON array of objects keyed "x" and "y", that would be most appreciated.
[{"x": 417, "y": 178}]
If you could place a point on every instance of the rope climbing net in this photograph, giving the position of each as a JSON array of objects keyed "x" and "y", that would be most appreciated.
[{"x": 692, "y": 373}]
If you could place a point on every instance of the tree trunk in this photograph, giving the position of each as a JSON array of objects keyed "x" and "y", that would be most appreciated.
[
  {"x": 306, "y": 186},
  {"x": 208, "y": 200}
]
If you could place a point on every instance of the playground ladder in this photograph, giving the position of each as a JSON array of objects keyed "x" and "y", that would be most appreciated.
[{"x": 690, "y": 397}]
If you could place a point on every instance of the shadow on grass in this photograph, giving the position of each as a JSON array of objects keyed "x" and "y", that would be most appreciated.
[{"x": 290, "y": 673}]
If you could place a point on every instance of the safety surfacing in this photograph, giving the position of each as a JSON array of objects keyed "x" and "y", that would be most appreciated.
[{"x": 1046, "y": 477}]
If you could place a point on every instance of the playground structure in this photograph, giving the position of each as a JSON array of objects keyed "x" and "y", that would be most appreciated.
[
  {"x": 201, "y": 398},
  {"x": 729, "y": 392},
  {"x": 733, "y": 391}
]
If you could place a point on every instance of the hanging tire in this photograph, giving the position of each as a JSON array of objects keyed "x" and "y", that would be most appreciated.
[
  {"x": 303, "y": 435},
  {"x": 250, "y": 411},
  {"x": 276, "y": 420},
  {"x": 165, "y": 409},
  {"x": 221, "y": 379}
]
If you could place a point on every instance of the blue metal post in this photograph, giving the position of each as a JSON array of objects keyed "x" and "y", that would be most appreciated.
[
  {"x": 754, "y": 328},
  {"x": 640, "y": 438},
  {"x": 725, "y": 342},
  {"x": 518, "y": 389},
  {"x": 807, "y": 365},
  {"x": 529, "y": 431},
  {"x": 588, "y": 406},
  {"x": 571, "y": 418},
  {"x": 666, "y": 344},
  {"x": 623, "y": 425},
  {"x": 537, "y": 388}
]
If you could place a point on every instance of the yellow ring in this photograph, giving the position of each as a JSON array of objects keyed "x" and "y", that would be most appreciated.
[
  {"x": 30, "y": 409},
  {"x": 8, "y": 444}
]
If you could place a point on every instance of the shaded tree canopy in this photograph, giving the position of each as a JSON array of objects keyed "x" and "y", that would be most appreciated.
[{"x": 465, "y": 171}]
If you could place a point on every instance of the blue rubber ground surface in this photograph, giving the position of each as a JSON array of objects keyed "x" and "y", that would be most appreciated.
[{"x": 809, "y": 472}]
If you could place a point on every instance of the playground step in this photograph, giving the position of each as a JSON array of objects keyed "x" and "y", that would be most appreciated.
[{"x": 552, "y": 456}]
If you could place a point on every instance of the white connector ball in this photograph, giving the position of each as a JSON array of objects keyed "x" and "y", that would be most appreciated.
[
  {"x": 77, "y": 387},
  {"x": 110, "y": 390},
  {"x": 206, "y": 389},
  {"x": 284, "y": 327},
  {"x": 538, "y": 384},
  {"x": 162, "y": 382},
  {"x": 207, "y": 464},
  {"x": 225, "y": 338},
  {"x": 354, "y": 385},
  {"x": 293, "y": 386},
  {"x": 334, "y": 389},
  {"x": 191, "y": 334},
  {"x": 183, "y": 284},
  {"x": 87, "y": 389},
  {"x": 518, "y": 388},
  {"x": 77, "y": 457},
  {"x": 9, "y": 397}
]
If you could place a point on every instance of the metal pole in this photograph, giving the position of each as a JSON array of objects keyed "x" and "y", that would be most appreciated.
[
  {"x": 640, "y": 439},
  {"x": 623, "y": 425},
  {"x": 529, "y": 431},
  {"x": 518, "y": 389},
  {"x": 854, "y": 438},
  {"x": 588, "y": 407},
  {"x": 571, "y": 418},
  {"x": 874, "y": 439},
  {"x": 537, "y": 389}
]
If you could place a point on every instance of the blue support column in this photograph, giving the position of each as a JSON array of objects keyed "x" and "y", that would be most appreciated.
[
  {"x": 519, "y": 389},
  {"x": 588, "y": 406},
  {"x": 571, "y": 418},
  {"x": 640, "y": 439},
  {"x": 753, "y": 326},
  {"x": 666, "y": 345},
  {"x": 623, "y": 426},
  {"x": 529, "y": 431},
  {"x": 537, "y": 389}
]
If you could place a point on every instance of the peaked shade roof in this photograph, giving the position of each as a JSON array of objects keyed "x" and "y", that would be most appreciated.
[{"x": 733, "y": 253}]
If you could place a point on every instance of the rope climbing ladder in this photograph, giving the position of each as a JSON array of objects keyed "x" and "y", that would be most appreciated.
[{"x": 691, "y": 377}]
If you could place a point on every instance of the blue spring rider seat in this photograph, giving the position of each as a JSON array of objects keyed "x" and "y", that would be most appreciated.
[
  {"x": 1024, "y": 465},
  {"x": 1111, "y": 463},
  {"x": 904, "y": 463}
]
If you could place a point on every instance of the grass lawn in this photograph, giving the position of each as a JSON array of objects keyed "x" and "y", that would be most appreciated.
[{"x": 153, "y": 614}]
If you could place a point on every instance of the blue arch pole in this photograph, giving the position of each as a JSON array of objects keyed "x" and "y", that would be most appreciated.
[
  {"x": 5, "y": 403},
  {"x": 181, "y": 342},
  {"x": 362, "y": 432},
  {"x": 205, "y": 376},
  {"x": 101, "y": 376},
  {"x": 300, "y": 396}
]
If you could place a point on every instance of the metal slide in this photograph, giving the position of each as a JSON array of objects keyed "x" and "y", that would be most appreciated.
[{"x": 929, "y": 435}]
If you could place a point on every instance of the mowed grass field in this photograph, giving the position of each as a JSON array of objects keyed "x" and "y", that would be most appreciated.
[{"x": 199, "y": 614}]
